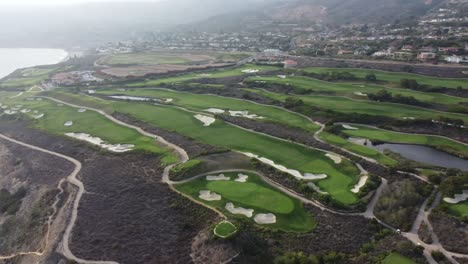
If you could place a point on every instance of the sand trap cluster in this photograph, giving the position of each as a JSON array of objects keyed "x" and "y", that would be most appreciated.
[
  {"x": 206, "y": 120},
  {"x": 38, "y": 116},
  {"x": 101, "y": 143},
  {"x": 360, "y": 94},
  {"x": 265, "y": 218},
  {"x": 68, "y": 123},
  {"x": 315, "y": 188},
  {"x": 131, "y": 98},
  {"x": 457, "y": 198},
  {"x": 214, "y": 110},
  {"x": 250, "y": 71},
  {"x": 209, "y": 196},
  {"x": 241, "y": 177},
  {"x": 220, "y": 177},
  {"x": 239, "y": 210},
  {"x": 81, "y": 110},
  {"x": 24, "y": 111},
  {"x": 362, "y": 181},
  {"x": 349, "y": 127},
  {"x": 295, "y": 173},
  {"x": 244, "y": 114},
  {"x": 335, "y": 158}
]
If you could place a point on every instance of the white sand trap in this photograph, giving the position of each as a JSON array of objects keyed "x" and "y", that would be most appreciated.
[
  {"x": 281, "y": 76},
  {"x": 10, "y": 112},
  {"x": 241, "y": 177},
  {"x": 214, "y": 110},
  {"x": 295, "y": 173},
  {"x": 206, "y": 120},
  {"x": 68, "y": 123},
  {"x": 205, "y": 75},
  {"x": 359, "y": 141},
  {"x": 220, "y": 177},
  {"x": 335, "y": 158},
  {"x": 244, "y": 114},
  {"x": 5, "y": 107},
  {"x": 168, "y": 100},
  {"x": 38, "y": 116},
  {"x": 239, "y": 210},
  {"x": 19, "y": 106},
  {"x": 81, "y": 110},
  {"x": 349, "y": 127},
  {"x": 265, "y": 219},
  {"x": 316, "y": 188},
  {"x": 131, "y": 98},
  {"x": 250, "y": 71},
  {"x": 209, "y": 196},
  {"x": 360, "y": 94},
  {"x": 409, "y": 118},
  {"x": 24, "y": 111},
  {"x": 457, "y": 198},
  {"x": 101, "y": 143},
  {"x": 360, "y": 184}
]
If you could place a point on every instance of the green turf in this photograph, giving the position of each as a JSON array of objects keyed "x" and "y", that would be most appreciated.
[
  {"x": 395, "y": 77},
  {"x": 194, "y": 76},
  {"x": 341, "y": 178},
  {"x": 253, "y": 194},
  {"x": 441, "y": 143},
  {"x": 358, "y": 149},
  {"x": 347, "y": 105},
  {"x": 348, "y": 89},
  {"x": 395, "y": 258},
  {"x": 459, "y": 209},
  {"x": 201, "y": 102},
  {"x": 27, "y": 77},
  {"x": 225, "y": 229},
  {"x": 143, "y": 59},
  {"x": 88, "y": 122}
]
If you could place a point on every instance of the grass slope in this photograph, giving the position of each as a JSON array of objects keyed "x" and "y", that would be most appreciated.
[
  {"x": 395, "y": 258},
  {"x": 254, "y": 194},
  {"x": 459, "y": 209}
]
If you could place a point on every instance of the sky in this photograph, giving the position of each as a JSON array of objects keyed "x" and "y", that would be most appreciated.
[{"x": 56, "y": 2}]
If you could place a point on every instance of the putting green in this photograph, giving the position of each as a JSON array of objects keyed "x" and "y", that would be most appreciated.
[
  {"x": 254, "y": 194},
  {"x": 395, "y": 77},
  {"x": 225, "y": 229},
  {"x": 441, "y": 143},
  {"x": 202, "y": 102},
  {"x": 341, "y": 177},
  {"x": 395, "y": 258},
  {"x": 460, "y": 209}
]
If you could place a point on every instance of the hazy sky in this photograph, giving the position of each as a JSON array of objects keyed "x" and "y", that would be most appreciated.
[{"x": 56, "y": 2}]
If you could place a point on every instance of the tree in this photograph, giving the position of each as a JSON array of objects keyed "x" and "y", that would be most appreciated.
[
  {"x": 371, "y": 77},
  {"x": 296, "y": 258}
]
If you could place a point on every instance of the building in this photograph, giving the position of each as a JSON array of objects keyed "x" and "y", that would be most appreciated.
[
  {"x": 427, "y": 56},
  {"x": 345, "y": 52},
  {"x": 289, "y": 64},
  {"x": 454, "y": 59}
]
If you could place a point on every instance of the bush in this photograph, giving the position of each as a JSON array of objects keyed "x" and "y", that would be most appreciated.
[
  {"x": 296, "y": 258},
  {"x": 438, "y": 256}
]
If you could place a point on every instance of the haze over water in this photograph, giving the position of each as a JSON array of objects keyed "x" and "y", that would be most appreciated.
[{"x": 12, "y": 59}]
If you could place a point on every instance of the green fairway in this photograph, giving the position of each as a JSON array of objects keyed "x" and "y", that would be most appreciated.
[
  {"x": 88, "y": 122},
  {"x": 143, "y": 59},
  {"x": 350, "y": 89},
  {"x": 254, "y": 194},
  {"x": 347, "y": 105},
  {"x": 395, "y": 77},
  {"x": 358, "y": 149},
  {"x": 341, "y": 177},
  {"x": 395, "y": 258},
  {"x": 460, "y": 209},
  {"x": 27, "y": 77},
  {"x": 441, "y": 143},
  {"x": 202, "y": 102},
  {"x": 211, "y": 74},
  {"x": 225, "y": 229}
]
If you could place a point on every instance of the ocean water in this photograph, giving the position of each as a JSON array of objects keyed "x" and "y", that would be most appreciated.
[{"x": 12, "y": 59}]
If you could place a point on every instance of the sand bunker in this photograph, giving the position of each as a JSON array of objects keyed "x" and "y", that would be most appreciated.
[
  {"x": 335, "y": 158},
  {"x": 265, "y": 219},
  {"x": 250, "y": 71},
  {"x": 168, "y": 100},
  {"x": 349, "y": 127},
  {"x": 360, "y": 184},
  {"x": 131, "y": 98},
  {"x": 209, "y": 196},
  {"x": 281, "y": 76},
  {"x": 239, "y": 210},
  {"x": 81, "y": 110},
  {"x": 409, "y": 118},
  {"x": 359, "y": 141},
  {"x": 18, "y": 106},
  {"x": 91, "y": 91},
  {"x": 457, "y": 198},
  {"x": 360, "y": 94},
  {"x": 5, "y": 107},
  {"x": 68, "y": 123},
  {"x": 101, "y": 143},
  {"x": 206, "y": 120},
  {"x": 241, "y": 177},
  {"x": 10, "y": 112},
  {"x": 214, "y": 110},
  {"x": 315, "y": 188},
  {"x": 35, "y": 111},
  {"x": 295, "y": 173},
  {"x": 24, "y": 111},
  {"x": 244, "y": 114},
  {"x": 38, "y": 116},
  {"x": 220, "y": 177}
]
